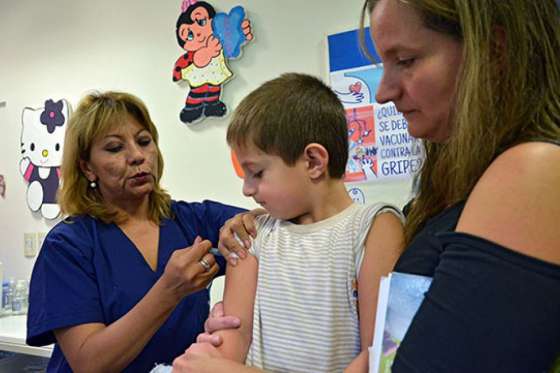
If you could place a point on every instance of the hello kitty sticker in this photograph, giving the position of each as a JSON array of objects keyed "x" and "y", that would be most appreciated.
[
  {"x": 42, "y": 140},
  {"x": 209, "y": 39}
]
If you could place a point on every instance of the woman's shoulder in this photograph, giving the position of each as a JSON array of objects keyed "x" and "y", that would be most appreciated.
[
  {"x": 516, "y": 202},
  {"x": 73, "y": 234},
  {"x": 197, "y": 206},
  {"x": 72, "y": 225}
]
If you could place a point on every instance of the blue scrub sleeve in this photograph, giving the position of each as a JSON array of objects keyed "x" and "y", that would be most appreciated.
[
  {"x": 489, "y": 309},
  {"x": 209, "y": 217},
  {"x": 63, "y": 289},
  {"x": 205, "y": 219}
]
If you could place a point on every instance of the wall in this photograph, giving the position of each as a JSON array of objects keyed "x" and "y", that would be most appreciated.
[{"x": 64, "y": 48}]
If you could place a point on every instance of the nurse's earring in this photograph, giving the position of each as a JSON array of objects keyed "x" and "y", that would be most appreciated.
[{"x": 92, "y": 184}]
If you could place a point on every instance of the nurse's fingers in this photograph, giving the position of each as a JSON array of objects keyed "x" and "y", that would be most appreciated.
[
  {"x": 214, "y": 324},
  {"x": 217, "y": 310},
  {"x": 214, "y": 340},
  {"x": 207, "y": 262},
  {"x": 198, "y": 249}
]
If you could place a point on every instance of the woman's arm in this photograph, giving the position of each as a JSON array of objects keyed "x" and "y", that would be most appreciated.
[
  {"x": 95, "y": 347},
  {"x": 495, "y": 295},
  {"x": 516, "y": 203},
  {"x": 383, "y": 246}
]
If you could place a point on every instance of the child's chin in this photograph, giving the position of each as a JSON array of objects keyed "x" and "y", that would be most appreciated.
[
  {"x": 276, "y": 214},
  {"x": 294, "y": 218}
]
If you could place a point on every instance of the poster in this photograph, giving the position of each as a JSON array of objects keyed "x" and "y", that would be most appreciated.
[{"x": 380, "y": 148}]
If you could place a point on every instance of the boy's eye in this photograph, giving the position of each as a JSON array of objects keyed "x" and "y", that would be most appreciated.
[
  {"x": 405, "y": 62},
  {"x": 258, "y": 174}
]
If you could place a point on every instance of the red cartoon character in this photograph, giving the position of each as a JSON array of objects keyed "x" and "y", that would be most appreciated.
[{"x": 204, "y": 66}]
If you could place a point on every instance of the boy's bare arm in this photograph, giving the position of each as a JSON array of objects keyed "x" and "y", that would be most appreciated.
[
  {"x": 383, "y": 247},
  {"x": 239, "y": 297}
]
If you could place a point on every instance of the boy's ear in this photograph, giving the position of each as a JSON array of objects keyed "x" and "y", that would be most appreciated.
[{"x": 317, "y": 159}]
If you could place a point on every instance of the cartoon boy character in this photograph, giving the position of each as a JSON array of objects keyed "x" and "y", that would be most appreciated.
[{"x": 204, "y": 66}]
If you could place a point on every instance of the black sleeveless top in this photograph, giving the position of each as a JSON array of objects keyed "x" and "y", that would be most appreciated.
[{"x": 489, "y": 308}]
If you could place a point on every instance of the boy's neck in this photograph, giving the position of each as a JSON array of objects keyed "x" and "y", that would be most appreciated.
[{"x": 329, "y": 198}]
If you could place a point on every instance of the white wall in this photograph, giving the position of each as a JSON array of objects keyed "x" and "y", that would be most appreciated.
[{"x": 64, "y": 48}]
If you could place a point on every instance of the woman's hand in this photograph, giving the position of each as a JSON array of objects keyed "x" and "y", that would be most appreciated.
[
  {"x": 236, "y": 234},
  {"x": 217, "y": 321},
  {"x": 205, "y": 358},
  {"x": 195, "y": 358},
  {"x": 190, "y": 269}
]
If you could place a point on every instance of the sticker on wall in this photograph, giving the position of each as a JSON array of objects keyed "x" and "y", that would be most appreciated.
[
  {"x": 42, "y": 139},
  {"x": 236, "y": 166},
  {"x": 362, "y": 158},
  {"x": 209, "y": 39},
  {"x": 2, "y": 186},
  {"x": 357, "y": 195}
]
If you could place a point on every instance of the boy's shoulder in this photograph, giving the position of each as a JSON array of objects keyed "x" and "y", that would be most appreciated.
[
  {"x": 366, "y": 214},
  {"x": 353, "y": 214},
  {"x": 371, "y": 210},
  {"x": 352, "y": 225}
]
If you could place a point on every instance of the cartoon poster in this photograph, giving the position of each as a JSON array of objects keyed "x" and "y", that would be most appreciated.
[
  {"x": 209, "y": 40},
  {"x": 380, "y": 148},
  {"x": 42, "y": 140}
]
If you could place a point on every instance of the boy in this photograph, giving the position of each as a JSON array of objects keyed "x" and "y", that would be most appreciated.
[{"x": 317, "y": 258}]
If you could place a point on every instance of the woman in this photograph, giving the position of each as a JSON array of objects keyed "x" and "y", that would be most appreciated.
[
  {"x": 121, "y": 283},
  {"x": 479, "y": 81}
]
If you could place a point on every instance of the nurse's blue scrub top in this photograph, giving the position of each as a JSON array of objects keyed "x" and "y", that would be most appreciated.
[{"x": 89, "y": 271}]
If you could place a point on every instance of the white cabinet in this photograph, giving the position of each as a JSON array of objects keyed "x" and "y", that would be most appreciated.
[{"x": 12, "y": 337}]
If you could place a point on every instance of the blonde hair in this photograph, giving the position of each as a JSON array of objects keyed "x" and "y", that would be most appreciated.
[
  {"x": 97, "y": 113},
  {"x": 508, "y": 91}
]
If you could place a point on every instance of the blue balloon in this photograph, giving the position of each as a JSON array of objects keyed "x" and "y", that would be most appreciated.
[{"x": 227, "y": 28}]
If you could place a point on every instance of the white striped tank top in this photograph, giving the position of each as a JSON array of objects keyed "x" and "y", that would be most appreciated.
[{"x": 305, "y": 317}]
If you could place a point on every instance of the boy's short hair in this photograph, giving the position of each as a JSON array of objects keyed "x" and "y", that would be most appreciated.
[{"x": 285, "y": 114}]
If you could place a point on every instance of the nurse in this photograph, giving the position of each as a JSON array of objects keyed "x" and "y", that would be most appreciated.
[{"x": 121, "y": 283}]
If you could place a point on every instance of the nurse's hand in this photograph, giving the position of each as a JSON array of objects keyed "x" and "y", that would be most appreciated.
[
  {"x": 236, "y": 234},
  {"x": 189, "y": 270},
  {"x": 217, "y": 321},
  {"x": 204, "y": 358},
  {"x": 198, "y": 358}
]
